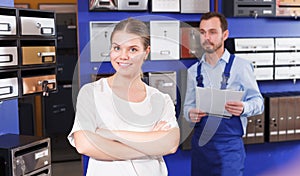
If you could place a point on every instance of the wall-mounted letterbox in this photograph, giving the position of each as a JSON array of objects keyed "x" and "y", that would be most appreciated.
[
  {"x": 37, "y": 23},
  {"x": 122, "y": 5},
  {"x": 288, "y": 8},
  {"x": 263, "y": 73},
  {"x": 8, "y": 53},
  {"x": 291, "y": 72},
  {"x": 8, "y": 86},
  {"x": 249, "y": 8},
  {"x": 165, "y": 82},
  {"x": 38, "y": 52},
  {"x": 287, "y": 44},
  {"x": 259, "y": 51},
  {"x": 37, "y": 84},
  {"x": 190, "y": 43},
  {"x": 38, "y": 81},
  {"x": 165, "y": 5},
  {"x": 254, "y": 44},
  {"x": 287, "y": 58},
  {"x": 165, "y": 43},
  {"x": 100, "y": 33},
  {"x": 8, "y": 21},
  {"x": 258, "y": 59},
  {"x": 38, "y": 55},
  {"x": 194, "y": 6}
]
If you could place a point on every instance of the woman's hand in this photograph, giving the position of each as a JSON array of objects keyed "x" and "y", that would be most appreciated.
[
  {"x": 195, "y": 115},
  {"x": 162, "y": 126}
]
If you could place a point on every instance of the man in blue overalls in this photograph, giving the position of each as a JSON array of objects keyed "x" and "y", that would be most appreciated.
[{"x": 217, "y": 145}]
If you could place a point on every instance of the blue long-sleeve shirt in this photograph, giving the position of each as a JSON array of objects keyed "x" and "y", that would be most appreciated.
[{"x": 242, "y": 78}]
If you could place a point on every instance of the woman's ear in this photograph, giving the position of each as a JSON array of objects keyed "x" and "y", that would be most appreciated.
[{"x": 147, "y": 52}]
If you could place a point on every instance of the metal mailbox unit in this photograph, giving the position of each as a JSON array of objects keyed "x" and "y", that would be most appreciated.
[
  {"x": 163, "y": 81},
  {"x": 37, "y": 23},
  {"x": 24, "y": 155},
  {"x": 8, "y": 54},
  {"x": 100, "y": 33},
  {"x": 287, "y": 58},
  {"x": 165, "y": 43},
  {"x": 27, "y": 48},
  {"x": 250, "y": 8},
  {"x": 9, "y": 87},
  {"x": 8, "y": 21},
  {"x": 259, "y": 51},
  {"x": 122, "y": 5},
  {"x": 165, "y": 5},
  {"x": 190, "y": 43},
  {"x": 288, "y": 8},
  {"x": 38, "y": 52},
  {"x": 194, "y": 6}
]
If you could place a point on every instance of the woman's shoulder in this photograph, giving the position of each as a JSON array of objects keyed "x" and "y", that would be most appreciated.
[
  {"x": 101, "y": 83},
  {"x": 154, "y": 91}
]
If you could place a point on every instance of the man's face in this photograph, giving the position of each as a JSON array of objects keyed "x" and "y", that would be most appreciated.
[{"x": 211, "y": 35}]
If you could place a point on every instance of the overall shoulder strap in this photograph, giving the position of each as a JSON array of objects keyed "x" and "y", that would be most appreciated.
[
  {"x": 199, "y": 77},
  {"x": 226, "y": 73}
]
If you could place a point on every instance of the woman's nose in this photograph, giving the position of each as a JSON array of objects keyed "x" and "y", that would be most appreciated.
[{"x": 124, "y": 54}]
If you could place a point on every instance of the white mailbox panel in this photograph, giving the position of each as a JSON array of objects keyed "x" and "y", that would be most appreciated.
[
  {"x": 195, "y": 6},
  {"x": 8, "y": 25},
  {"x": 165, "y": 82},
  {"x": 264, "y": 73},
  {"x": 254, "y": 44},
  {"x": 165, "y": 40},
  {"x": 100, "y": 33},
  {"x": 165, "y": 6},
  {"x": 287, "y": 58},
  {"x": 8, "y": 56},
  {"x": 8, "y": 88},
  {"x": 37, "y": 26},
  {"x": 258, "y": 59},
  {"x": 292, "y": 72},
  {"x": 282, "y": 44}
]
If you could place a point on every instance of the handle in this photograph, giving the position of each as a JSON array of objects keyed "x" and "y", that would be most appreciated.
[
  {"x": 5, "y": 27},
  {"x": 5, "y": 58},
  {"x": 6, "y": 90}
]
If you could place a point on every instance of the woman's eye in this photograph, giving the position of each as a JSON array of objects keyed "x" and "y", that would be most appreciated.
[
  {"x": 116, "y": 48},
  {"x": 133, "y": 50}
]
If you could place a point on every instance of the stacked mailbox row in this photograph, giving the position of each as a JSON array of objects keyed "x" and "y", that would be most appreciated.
[
  {"x": 170, "y": 40},
  {"x": 273, "y": 58},
  {"x": 262, "y": 8},
  {"x": 27, "y": 52},
  {"x": 279, "y": 122},
  {"x": 284, "y": 118},
  {"x": 182, "y": 6}
]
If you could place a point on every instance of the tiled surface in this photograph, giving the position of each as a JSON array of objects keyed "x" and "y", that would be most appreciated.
[{"x": 70, "y": 168}]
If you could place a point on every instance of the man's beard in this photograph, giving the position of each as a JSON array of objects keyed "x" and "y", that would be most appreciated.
[{"x": 213, "y": 49}]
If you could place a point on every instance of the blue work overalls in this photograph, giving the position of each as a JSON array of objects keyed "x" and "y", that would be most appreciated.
[{"x": 224, "y": 153}]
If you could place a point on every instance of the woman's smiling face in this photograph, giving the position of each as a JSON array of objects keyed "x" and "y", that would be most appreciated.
[{"x": 127, "y": 53}]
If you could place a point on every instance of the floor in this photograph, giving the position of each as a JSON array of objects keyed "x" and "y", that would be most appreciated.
[{"x": 67, "y": 168}]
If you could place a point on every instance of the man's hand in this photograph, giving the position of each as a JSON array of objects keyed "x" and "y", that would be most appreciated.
[{"x": 235, "y": 108}]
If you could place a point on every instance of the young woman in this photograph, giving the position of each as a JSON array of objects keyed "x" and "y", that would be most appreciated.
[{"x": 123, "y": 125}]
